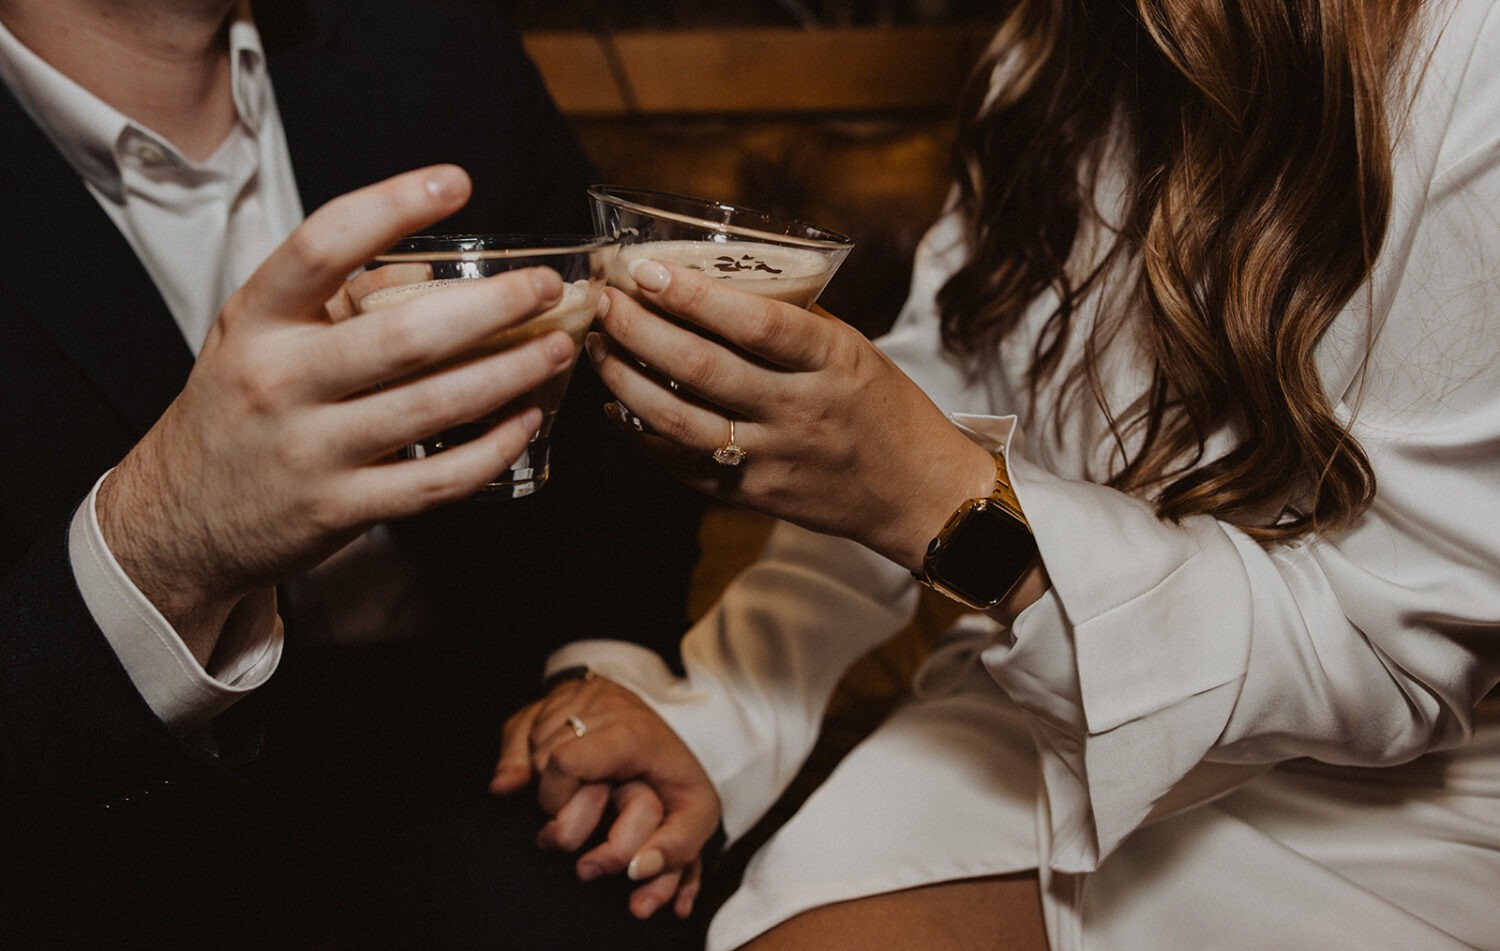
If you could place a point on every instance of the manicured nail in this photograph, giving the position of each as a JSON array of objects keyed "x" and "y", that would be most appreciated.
[
  {"x": 531, "y": 420},
  {"x": 650, "y": 275},
  {"x": 647, "y": 864},
  {"x": 595, "y": 346},
  {"x": 621, "y": 413},
  {"x": 604, "y": 305}
]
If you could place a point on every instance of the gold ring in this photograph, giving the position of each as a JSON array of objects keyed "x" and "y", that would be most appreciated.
[
  {"x": 576, "y": 725},
  {"x": 730, "y": 454}
]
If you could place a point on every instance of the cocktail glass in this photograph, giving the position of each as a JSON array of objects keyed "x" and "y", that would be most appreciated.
[
  {"x": 425, "y": 263},
  {"x": 765, "y": 254}
]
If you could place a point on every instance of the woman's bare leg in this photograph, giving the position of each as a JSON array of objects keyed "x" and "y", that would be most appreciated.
[{"x": 1002, "y": 913}]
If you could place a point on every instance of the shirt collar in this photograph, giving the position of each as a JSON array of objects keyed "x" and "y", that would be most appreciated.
[{"x": 91, "y": 134}]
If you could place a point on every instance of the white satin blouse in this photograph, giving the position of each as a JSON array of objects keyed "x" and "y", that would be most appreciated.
[{"x": 1199, "y": 740}]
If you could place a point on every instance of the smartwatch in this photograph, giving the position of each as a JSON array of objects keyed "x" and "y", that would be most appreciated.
[{"x": 983, "y": 550}]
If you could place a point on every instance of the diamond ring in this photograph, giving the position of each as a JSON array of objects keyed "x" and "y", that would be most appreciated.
[{"x": 730, "y": 454}]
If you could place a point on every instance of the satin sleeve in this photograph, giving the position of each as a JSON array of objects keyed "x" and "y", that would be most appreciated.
[
  {"x": 1170, "y": 661},
  {"x": 761, "y": 665}
]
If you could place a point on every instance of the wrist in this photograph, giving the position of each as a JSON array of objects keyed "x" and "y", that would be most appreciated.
[
  {"x": 970, "y": 475},
  {"x": 125, "y": 525},
  {"x": 985, "y": 550}
]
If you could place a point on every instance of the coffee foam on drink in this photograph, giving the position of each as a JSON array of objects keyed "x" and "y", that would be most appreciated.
[
  {"x": 400, "y": 293},
  {"x": 795, "y": 275},
  {"x": 572, "y": 314}
]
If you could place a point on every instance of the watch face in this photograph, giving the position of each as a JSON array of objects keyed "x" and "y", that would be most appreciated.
[{"x": 985, "y": 554}]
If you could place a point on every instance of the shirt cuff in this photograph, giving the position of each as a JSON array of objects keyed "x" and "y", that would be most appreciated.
[
  {"x": 180, "y": 691},
  {"x": 992, "y": 433},
  {"x": 638, "y": 668}
]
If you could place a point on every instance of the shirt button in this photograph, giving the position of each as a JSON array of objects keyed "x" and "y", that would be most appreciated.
[{"x": 149, "y": 153}]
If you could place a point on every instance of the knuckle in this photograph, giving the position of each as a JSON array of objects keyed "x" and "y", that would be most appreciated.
[
  {"x": 428, "y": 407},
  {"x": 258, "y": 383},
  {"x": 315, "y": 250},
  {"x": 766, "y": 328},
  {"x": 298, "y": 458},
  {"x": 230, "y": 322},
  {"x": 567, "y": 760},
  {"x": 691, "y": 296},
  {"x": 324, "y": 513},
  {"x": 671, "y": 423},
  {"x": 700, "y": 369},
  {"x": 400, "y": 336}
]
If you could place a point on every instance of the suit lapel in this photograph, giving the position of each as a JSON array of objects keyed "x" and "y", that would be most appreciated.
[
  {"x": 56, "y": 243},
  {"x": 317, "y": 94}
]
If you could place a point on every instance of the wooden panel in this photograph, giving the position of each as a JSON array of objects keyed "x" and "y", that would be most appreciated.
[{"x": 766, "y": 71}]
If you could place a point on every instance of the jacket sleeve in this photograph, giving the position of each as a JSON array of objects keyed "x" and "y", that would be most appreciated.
[{"x": 77, "y": 742}]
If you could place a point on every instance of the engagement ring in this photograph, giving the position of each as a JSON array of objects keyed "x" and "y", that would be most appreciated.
[{"x": 730, "y": 454}]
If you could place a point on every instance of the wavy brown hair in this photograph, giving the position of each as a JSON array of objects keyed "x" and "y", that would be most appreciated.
[{"x": 1256, "y": 139}]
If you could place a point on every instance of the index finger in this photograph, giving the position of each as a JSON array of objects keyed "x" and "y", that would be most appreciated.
[
  {"x": 310, "y": 266},
  {"x": 513, "y": 770},
  {"x": 780, "y": 333}
]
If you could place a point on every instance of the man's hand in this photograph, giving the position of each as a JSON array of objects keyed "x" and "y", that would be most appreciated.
[
  {"x": 593, "y": 741},
  {"x": 281, "y": 446}
]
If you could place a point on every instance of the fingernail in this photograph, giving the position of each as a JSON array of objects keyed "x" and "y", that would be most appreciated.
[
  {"x": 588, "y": 871},
  {"x": 650, "y": 275},
  {"x": 645, "y": 864},
  {"x": 595, "y": 346},
  {"x": 446, "y": 183},
  {"x": 531, "y": 420},
  {"x": 603, "y": 306}
]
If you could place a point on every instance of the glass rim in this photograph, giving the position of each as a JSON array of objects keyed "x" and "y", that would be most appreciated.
[
  {"x": 628, "y": 196},
  {"x": 491, "y": 246}
]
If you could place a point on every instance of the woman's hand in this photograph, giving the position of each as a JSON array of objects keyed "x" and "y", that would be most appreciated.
[
  {"x": 591, "y": 743},
  {"x": 836, "y": 437}
]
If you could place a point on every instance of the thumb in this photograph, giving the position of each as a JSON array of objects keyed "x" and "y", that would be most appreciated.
[
  {"x": 306, "y": 270},
  {"x": 513, "y": 771},
  {"x": 677, "y": 841}
]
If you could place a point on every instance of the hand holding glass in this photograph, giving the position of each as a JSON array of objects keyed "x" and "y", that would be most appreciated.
[
  {"x": 765, "y": 254},
  {"x": 426, "y": 263}
]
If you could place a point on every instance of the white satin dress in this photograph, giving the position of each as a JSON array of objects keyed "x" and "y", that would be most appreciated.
[{"x": 1200, "y": 741}]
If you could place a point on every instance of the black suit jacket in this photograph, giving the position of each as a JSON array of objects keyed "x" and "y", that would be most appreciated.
[{"x": 347, "y": 744}]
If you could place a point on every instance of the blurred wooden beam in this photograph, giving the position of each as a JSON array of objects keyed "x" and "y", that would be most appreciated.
[{"x": 766, "y": 71}]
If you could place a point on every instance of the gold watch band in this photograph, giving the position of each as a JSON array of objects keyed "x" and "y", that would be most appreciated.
[
  {"x": 1005, "y": 494},
  {"x": 983, "y": 550}
]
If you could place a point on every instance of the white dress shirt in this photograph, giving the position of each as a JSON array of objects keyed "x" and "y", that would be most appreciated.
[
  {"x": 200, "y": 229},
  {"x": 1199, "y": 740}
]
